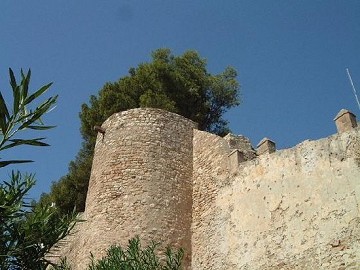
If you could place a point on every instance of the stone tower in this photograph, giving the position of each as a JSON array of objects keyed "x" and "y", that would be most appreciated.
[{"x": 141, "y": 182}]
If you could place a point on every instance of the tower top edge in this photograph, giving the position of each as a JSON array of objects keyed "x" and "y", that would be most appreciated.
[{"x": 137, "y": 112}]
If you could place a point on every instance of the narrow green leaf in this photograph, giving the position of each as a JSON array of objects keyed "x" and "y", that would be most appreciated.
[
  {"x": 8, "y": 162},
  {"x": 12, "y": 79},
  {"x": 25, "y": 83},
  {"x": 22, "y": 74},
  {"x": 28, "y": 76},
  {"x": 17, "y": 142},
  {"x": 3, "y": 124},
  {"x": 37, "y": 93},
  {"x": 4, "y": 114},
  {"x": 16, "y": 94},
  {"x": 28, "y": 140},
  {"x": 3, "y": 107},
  {"x": 40, "y": 127},
  {"x": 35, "y": 142}
]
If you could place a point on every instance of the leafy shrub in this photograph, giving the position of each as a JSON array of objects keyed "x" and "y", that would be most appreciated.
[{"x": 136, "y": 258}]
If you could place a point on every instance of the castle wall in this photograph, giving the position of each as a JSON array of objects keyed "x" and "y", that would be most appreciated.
[
  {"x": 292, "y": 209},
  {"x": 141, "y": 184},
  {"x": 229, "y": 206}
]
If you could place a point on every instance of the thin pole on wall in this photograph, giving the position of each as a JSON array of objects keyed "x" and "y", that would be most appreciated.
[{"x": 353, "y": 87}]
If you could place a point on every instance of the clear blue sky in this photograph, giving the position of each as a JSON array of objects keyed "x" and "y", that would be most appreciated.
[{"x": 291, "y": 58}]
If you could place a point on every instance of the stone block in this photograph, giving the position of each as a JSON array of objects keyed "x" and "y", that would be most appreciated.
[
  {"x": 265, "y": 146},
  {"x": 345, "y": 121},
  {"x": 235, "y": 158}
]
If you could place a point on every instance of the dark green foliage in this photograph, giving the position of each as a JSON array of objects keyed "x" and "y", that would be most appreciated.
[
  {"x": 179, "y": 84},
  {"x": 69, "y": 192},
  {"x": 134, "y": 257},
  {"x": 26, "y": 233}
]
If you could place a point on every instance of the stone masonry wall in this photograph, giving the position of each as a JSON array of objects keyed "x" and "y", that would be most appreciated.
[
  {"x": 156, "y": 176},
  {"x": 211, "y": 174},
  {"x": 292, "y": 209},
  {"x": 141, "y": 184}
]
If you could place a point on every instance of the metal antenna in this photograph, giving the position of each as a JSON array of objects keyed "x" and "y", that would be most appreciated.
[{"x": 353, "y": 87}]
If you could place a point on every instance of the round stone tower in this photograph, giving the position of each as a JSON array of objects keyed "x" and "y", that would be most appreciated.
[{"x": 141, "y": 182}]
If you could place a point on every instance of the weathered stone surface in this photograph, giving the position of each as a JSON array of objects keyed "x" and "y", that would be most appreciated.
[
  {"x": 155, "y": 176},
  {"x": 293, "y": 209}
]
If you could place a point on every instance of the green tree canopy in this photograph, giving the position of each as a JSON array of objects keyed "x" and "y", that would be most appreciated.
[{"x": 180, "y": 84}]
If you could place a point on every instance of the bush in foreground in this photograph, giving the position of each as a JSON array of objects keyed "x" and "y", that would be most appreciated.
[{"x": 135, "y": 258}]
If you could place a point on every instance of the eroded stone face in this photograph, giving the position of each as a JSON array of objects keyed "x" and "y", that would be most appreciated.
[{"x": 293, "y": 209}]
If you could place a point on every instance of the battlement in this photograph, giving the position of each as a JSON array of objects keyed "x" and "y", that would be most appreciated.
[{"x": 230, "y": 206}]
